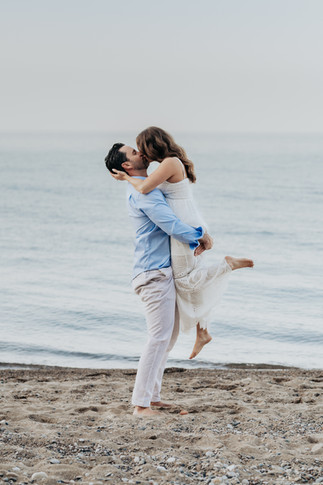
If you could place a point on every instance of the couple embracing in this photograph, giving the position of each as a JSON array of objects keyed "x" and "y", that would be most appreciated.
[{"x": 178, "y": 289}]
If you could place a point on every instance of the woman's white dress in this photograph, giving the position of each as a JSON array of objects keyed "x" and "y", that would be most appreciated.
[{"x": 199, "y": 286}]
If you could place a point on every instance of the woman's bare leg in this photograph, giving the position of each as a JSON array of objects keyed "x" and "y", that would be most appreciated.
[
  {"x": 202, "y": 338},
  {"x": 237, "y": 263},
  {"x": 202, "y": 335}
]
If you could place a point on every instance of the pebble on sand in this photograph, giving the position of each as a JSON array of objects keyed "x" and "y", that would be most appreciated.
[
  {"x": 39, "y": 476},
  {"x": 54, "y": 461}
]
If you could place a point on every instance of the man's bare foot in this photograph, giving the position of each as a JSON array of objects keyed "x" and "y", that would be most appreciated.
[
  {"x": 202, "y": 338},
  {"x": 237, "y": 263},
  {"x": 141, "y": 411},
  {"x": 162, "y": 405}
]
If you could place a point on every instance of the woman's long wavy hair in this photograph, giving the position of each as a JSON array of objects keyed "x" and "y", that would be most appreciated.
[{"x": 156, "y": 145}]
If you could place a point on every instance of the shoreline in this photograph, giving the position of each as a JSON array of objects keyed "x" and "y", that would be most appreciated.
[
  {"x": 211, "y": 366},
  {"x": 244, "y": 426}
]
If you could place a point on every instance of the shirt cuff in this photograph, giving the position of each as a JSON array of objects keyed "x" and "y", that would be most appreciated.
[{"x": 200, "y": 233}]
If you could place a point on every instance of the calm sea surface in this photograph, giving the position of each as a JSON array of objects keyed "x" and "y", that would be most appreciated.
[{"x": 67, "y": 249}]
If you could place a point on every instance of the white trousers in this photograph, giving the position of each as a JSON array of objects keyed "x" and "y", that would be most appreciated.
[{"x": 157, "y": 291}]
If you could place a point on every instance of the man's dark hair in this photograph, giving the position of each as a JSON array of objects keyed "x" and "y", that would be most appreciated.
[{"x": 115, "y": 158}]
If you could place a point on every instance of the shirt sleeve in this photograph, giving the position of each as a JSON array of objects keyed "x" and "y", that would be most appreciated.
[{"x": 155, "y": 207}]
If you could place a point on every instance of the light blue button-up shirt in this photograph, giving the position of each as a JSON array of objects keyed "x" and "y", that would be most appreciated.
[{"x": 154, "y": 222}]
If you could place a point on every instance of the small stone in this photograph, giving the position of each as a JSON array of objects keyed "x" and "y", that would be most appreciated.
[
  {"x": 39, "y": 476},
  {"x": 136, "y": 459},
  {"x": 319, "y": 480},
  {"x": 229, "y": 426},
  {"x": 12, "y": 476},
  {"x": 317, "y": 448},
  {"x": 209, "y": 453},
  {"x": 16, "y": 469},
  {"x": 161, "y": 468},
  {"x": 81, "y": 440},
  {"x": 54, "y": 461},
  {"x": 232, "y": 467},
  {"x": 171, "y": 459},
  {"x": 312, "y": 439},
  {"x": 245, "y": 482}
]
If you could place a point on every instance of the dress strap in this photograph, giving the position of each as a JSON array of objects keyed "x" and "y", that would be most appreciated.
[{"x": 183, "y": 168}]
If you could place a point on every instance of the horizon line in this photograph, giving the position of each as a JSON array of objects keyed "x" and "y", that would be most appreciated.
[{"x": 184, "y": 132}]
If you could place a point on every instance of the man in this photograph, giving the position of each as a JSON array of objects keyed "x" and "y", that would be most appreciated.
[{"x": 153, "y": 281}]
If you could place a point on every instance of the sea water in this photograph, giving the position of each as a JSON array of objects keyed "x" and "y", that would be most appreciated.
[{"x": 67, "y": 250}]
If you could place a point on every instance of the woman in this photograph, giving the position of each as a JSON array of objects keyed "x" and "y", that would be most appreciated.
[{"x": 198, "y": 286}]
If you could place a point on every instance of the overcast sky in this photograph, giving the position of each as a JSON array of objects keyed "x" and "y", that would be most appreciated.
[{"x": 185, "y": 65}]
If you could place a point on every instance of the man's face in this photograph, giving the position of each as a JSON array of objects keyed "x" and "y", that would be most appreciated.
[{"x": 134, "y": 157}]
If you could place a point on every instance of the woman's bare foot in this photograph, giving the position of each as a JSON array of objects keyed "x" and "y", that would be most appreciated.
[
  {"x": 202, "y": 338},
  {"x": 237, "y": 263},
  {"x": 141, "y": 411},
  {"x": 161, "y": 405}
]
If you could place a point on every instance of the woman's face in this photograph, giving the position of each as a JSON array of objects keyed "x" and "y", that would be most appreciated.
[
  {"x": 148, "y": 148},
  {"x": 142, "y": 153}
]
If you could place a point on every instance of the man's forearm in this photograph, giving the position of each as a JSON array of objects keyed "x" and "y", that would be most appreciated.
[
  {"x": 191, "y": 236},
  {"x": 162, "y": 215}
]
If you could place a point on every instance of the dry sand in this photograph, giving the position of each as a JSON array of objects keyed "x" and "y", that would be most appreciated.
[{"x": 245, "y": 425}]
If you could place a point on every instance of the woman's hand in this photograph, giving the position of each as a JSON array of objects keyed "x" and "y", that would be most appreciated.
[{"x": 119, "y": 175}]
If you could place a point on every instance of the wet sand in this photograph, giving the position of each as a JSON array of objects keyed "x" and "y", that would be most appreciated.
[{"x": 245, "y": 425}]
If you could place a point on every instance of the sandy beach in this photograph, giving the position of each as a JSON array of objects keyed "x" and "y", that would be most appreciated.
[{"x": 247, "y": 425}]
